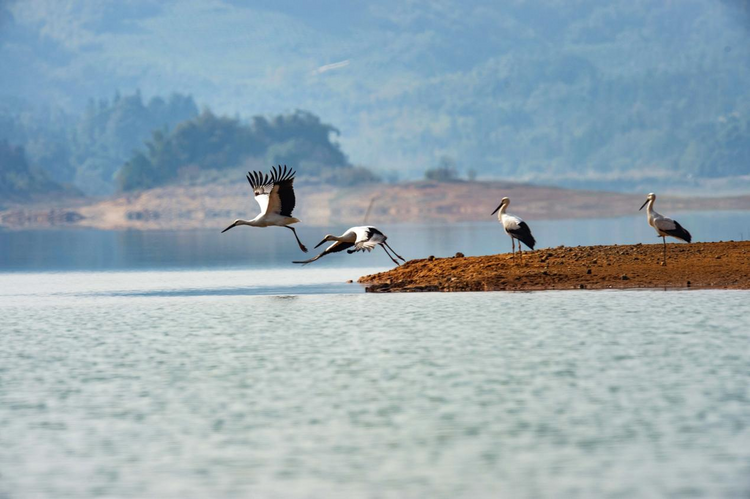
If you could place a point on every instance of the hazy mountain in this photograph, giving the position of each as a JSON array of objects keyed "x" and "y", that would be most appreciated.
[{"x": 551, "y": 89}]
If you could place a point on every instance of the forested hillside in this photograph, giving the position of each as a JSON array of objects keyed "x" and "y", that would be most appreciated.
[
  {"x": 624, "y": 94},
  {"x": 209, "y": 143},
  {"x": 19, "y": 182},
  {"x": 124, "y": 144},
  {"x": 87, "y": 149}
]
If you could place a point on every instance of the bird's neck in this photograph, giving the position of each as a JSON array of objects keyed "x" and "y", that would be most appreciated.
[
  {"x": 347, "y": 237},
  {"x": 650, "y": 209},
  {"x": 501, "y": 212},
  {"x": 251, "y": 223}
]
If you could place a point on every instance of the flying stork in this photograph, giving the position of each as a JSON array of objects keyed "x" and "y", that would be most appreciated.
[
  {"x": 664, "y": 226},
  {"x": 362, "y": 238},
  {"x": 274, "y": 193},
  {"x": 515, "y": 228}
]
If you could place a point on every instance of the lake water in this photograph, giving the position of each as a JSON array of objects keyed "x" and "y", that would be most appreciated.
[
  {"x": 242, "y": 247},
  {"x": 192, "y": 365}
]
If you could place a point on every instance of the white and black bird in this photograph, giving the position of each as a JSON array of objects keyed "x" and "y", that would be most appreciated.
[
  {"x": 514, "y": 227},
  {"x": 274, "y": 193},
  {"x": 362, "y": 238},
  {"x": 664, "y": 226}
]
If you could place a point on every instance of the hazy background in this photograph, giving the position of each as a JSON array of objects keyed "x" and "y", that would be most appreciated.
[{"x": 615, "y": 95}]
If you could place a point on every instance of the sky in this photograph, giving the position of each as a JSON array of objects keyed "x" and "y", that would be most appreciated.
[{"x": 405, "y": 82}]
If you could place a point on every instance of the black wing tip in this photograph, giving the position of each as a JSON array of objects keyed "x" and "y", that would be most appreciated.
[
  {"x": 281, "y": 173},
  {"x": 277, "y": 175},
  {"x": 524, "y": 235},
  {"x": 685, "y": 234},
  {"x": 530, "y": 242},
  {"x": 681, "y": 233}
]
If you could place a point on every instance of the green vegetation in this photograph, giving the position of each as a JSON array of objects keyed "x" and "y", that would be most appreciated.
[
  {"x": 18, "y": 181},
  {"x": 210, "y": 142},
  {"x": 725, "y": 150},
  {"x": 619, "y": 93},
  {"x": 126, "y": 144},
  {"x": 109, "y": 132},
  {"x": 445, "y": 171},
  {"x": 89, "y": 149}
]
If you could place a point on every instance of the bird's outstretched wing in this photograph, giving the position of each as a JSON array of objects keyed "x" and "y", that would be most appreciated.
[
  {"x": 672, "y": 228},
  {"x": 334, "y": 248},
  {"x": 368, "y": 238},
  {"x": 275, "y": 192}
]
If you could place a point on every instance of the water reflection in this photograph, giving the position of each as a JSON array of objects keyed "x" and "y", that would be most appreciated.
[{"x": 274, "y": 247}]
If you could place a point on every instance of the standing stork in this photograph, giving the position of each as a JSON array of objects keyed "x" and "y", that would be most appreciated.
[
  {"x": 275, "y": 196},
  {"x": 362, "y": 238},
  {"x": 515, "y": 228},
  {"x": 664, "y": 226}
]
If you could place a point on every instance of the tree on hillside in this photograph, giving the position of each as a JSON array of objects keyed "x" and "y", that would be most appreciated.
[
  {"x": 444, "y": 172},
  {"x": 109, "y": 132},
  {"x": 210, "y": 142},
  {"x": 727, "y": 150},
  {"x": 17, "y": 180}
]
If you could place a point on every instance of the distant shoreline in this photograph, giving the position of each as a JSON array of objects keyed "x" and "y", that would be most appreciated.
[
  {"x": 214, "y": 206},
  {"x": 724, "y": 265}
]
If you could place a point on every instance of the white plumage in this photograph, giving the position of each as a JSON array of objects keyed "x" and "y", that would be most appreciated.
[
  {"x": 275, "y": 196},
  {"x": 664, "y": 226},
  {"x": 361, "y": 238},
  {"x": 514, "y": 227}
]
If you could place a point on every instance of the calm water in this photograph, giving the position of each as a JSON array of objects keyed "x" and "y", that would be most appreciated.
[
  {"x": 243, "y": 247},
  {"x": 183, "y": 365}
]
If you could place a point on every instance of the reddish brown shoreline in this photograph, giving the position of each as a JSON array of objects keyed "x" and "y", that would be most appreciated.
[
  {"x": 724, "y": 265},
  {"x": 212, "y": 206}
]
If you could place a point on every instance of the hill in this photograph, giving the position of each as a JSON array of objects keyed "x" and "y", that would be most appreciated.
[
  {"x": 212, "y": 206},
  {"x": 621, "y": 93}
]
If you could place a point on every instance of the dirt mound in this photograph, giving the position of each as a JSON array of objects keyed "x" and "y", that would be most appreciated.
[{"x": 697, "y": 265}]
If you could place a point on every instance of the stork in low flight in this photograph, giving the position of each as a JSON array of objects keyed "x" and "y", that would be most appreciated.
[
  {"x": 515, "y": 228},
  {"x": 664, "y": 226},
  {"x": 275, "y": 196},
  {"x": 363, "y": 238}
]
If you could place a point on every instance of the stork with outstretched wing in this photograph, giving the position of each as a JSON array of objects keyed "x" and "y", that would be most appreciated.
[
  {"x": 274, "y": 193},
  {"x": 362, "y": 238}
]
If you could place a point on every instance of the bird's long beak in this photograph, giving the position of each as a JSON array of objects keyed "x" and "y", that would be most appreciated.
[
  {"x": 644, "y": 204},
  {"x": 233, "y": 225},
  {"x": 496, "y": 209},
  {"x": 321, "y": 242}
]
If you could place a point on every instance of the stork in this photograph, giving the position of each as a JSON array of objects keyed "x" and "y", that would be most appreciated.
[
  {"x": 275, "y": 196},
  {"x": 664, "y": 226},
  {"x": 362, "y": 238},
  {"x": 515, "y": 228}
]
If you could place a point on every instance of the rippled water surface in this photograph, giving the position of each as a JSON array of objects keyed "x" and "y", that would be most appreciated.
[{"x": 286, "y": 382}]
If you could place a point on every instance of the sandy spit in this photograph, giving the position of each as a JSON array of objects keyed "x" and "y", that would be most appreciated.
[{"x": 723, "y": 265}]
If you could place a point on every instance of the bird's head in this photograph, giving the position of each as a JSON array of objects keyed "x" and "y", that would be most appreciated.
[
  {"x": 234, "y": 224},
  {"x": 651, "y": 197},
  {"x": 329, "y": 237},
  {"x": 505, "y": 201}
]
